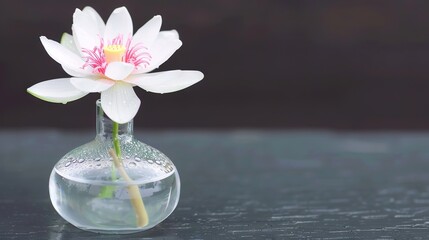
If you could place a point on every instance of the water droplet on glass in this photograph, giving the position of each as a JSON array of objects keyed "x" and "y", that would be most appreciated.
[
  {"x": 74, "y": 161},
  {"x": 98, "y": 164},
  {"x": 97, "y": 159},
  {"x": 68, "y": 164},
  {"x": 127, "y": 157},
  {"x": 150, "y": 161},
  {"x": 81, "y": 160},
  {"x": 158, "y": 162},
  {"x": 137, "y": 159},
  {"x": 132, "y": 164}
]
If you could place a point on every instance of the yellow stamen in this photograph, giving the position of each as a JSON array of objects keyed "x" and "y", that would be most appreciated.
[{"x": 114, "y": 53}]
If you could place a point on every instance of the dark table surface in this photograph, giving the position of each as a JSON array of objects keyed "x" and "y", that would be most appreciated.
[{"x": 244, "y": 185}]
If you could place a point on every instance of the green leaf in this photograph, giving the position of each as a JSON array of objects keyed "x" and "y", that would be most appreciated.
[{"x": 107, "y": 192}]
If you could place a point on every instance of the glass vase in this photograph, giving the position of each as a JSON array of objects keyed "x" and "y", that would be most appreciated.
[{"x": 100, "y": 190}]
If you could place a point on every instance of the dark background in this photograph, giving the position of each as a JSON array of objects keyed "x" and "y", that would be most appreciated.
[{"x": 267, "y": 64}]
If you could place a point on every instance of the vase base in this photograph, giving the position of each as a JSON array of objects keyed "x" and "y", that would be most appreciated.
[{"x": 114, "y": 231}]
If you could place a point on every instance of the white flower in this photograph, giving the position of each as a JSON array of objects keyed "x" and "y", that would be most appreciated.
[{"x": 108, "y": 58}]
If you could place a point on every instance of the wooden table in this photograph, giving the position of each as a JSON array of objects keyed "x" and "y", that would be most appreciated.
[{"x": 244, "y": 185}]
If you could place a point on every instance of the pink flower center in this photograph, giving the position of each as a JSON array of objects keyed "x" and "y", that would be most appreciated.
[{"x": 96, "y": 58}]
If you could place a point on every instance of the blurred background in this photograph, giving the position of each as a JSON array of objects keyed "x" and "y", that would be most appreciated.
[{"x": 358, "y": 65}]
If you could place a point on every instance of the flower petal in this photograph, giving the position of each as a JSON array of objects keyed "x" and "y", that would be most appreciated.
[
  {"x": 68, "y": 42},
  {"x": 160, "y": 51},
  {"x": 100, "y": 23},
  {"x": 73, "y": 73},
  {"x": 120, "y": 102},
  {"x": 84, "y": 40},
  {"x": 86, "y": 21},
  {"x": 166, "y": 82},
  {"x": 169, "y": 34},
  {"x": 86, "y": 32},
  {"x": 56, "y": 90},
  {"x": 147, "y": 34},
  {"x": 64, "y": 56},
  {"x": 91, "y": 85},
  {"x": 118, "y": 70},
  {"x": 118, "y": 24}
]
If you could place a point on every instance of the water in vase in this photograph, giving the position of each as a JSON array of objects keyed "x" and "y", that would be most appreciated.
[{"x": 90, "y": 200}]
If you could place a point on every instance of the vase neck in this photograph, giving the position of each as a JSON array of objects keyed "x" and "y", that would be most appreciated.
[{"x": 104, "y": 124}]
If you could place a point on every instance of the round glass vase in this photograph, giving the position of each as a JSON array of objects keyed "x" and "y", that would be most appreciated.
[{"x": 108, "y": 186}]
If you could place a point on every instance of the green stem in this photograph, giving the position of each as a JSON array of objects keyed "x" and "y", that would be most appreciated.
[
  {"x": 116, "y": 145},
  {"x": 133, "y": 190},
  {"x": 116, "y": 139},
  {"x": 107, "y": 191}
]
